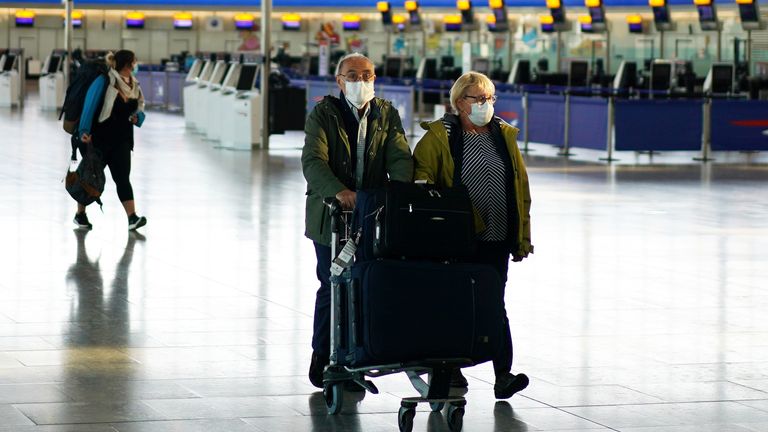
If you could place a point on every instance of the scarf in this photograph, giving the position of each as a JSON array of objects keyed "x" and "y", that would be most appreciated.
[{"x": 116, "y": 88}]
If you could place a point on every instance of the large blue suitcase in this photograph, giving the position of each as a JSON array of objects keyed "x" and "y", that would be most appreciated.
[{"x": 398, "y": 311}]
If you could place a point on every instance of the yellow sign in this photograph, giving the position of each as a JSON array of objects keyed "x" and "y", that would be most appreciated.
[
  {"x": 25, "y": 14},
  {"x": 553, "y": 4},
  {"x": 135, "y": 15},
  {"x": 495, "y": 4}
]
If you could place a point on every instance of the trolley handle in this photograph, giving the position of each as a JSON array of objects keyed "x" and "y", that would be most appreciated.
[{"x": 335, "y": 211}]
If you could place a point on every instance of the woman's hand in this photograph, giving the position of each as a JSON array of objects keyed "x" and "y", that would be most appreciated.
[
  {"x": 134, "y": 119},
  {"x": 85, "y": 138}
]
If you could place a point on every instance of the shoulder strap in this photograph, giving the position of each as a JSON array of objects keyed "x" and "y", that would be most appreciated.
[{"x": 455, "y": 143}]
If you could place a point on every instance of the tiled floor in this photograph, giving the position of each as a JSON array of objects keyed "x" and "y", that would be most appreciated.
[{"x": 644, "y": 308}]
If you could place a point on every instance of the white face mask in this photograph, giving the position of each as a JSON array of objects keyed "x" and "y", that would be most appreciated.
[
  {"x": 358, "y": 93},
  {"x": 481, "y": 114}
]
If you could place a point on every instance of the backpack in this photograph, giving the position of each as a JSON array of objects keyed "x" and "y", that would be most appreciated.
[
  {"x": 74, "y": 101},
  {"x": 86, "y": 183}
]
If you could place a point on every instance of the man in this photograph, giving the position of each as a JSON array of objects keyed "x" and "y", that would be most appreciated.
[{"x": 353, "y": 142}]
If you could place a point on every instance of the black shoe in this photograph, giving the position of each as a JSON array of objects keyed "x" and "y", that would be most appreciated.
[
  {"x": 508, "y": 384},
  {"x": 81, "y": 220},
  {"x": 458, "y": 380},
  {"x": 135, "y": 222},
  {"x": 316, "y": 368}
]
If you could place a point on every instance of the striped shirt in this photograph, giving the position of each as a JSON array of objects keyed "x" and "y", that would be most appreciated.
[{"x": 484, "y": 174}]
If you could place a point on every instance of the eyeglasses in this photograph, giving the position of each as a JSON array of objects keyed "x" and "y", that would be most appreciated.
[
  {"x": 480, "y": 100},
  {"x": 354, "y": 76}
]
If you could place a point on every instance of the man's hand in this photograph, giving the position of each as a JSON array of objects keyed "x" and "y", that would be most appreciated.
[
  {"x": 86, "y": 138},
  {"x": 347, "y": 199}
]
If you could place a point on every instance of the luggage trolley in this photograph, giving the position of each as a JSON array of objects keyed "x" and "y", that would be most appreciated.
[{"x": 434, "y": 390}]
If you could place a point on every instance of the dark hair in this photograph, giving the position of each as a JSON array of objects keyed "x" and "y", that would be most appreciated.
[{"x": 124, "y": 58}]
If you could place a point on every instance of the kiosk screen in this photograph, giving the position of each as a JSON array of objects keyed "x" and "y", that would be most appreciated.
[{"x": 247, "y": 77}]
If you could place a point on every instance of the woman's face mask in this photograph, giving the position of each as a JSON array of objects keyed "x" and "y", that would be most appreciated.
[
  {"x": 480, "y": 115},
  {"x": 359, "y": 93},
  {"x": 135, "y": 68}
]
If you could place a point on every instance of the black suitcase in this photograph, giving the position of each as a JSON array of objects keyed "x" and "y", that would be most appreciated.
[
  {"x": 399, "y": 311},
  {"x": 408, "y": 220}
]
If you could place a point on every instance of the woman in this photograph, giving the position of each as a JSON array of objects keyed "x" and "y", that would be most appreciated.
[
  {"x": 479, "y": 151},
  {"x": 122, "y": 107}
]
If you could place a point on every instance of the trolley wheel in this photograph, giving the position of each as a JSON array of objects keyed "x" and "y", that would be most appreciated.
[
  {"x": 455, "y": 418},
  {"x": 334, "y": 397},
  {"x": 437, "y": 406},
  {"x": 405, "y": 419}
]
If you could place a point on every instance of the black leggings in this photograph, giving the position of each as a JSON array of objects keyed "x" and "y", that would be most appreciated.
[{"x": 117, "y": 156}]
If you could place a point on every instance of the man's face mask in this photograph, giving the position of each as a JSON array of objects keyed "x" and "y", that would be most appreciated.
[{"x": 359, "y": 93}]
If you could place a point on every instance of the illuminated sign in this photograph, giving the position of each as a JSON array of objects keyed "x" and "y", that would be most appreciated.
[
  {"x": 134, "y": 20},
  {"x": 25, "y": 18},
  {"x": 182, "y": 20},
  {"x": 350, "y": 22},
  {"x": 244, "y": 21}
]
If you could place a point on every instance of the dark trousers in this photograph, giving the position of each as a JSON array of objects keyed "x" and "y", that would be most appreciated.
[
  {"x": 321, "y": 339},
  {"x": 115, "y": 154},
  {"x": 496, "y": 254}
]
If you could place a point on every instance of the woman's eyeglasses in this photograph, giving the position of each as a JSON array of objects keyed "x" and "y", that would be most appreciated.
[{"x": 480, "y": 100}]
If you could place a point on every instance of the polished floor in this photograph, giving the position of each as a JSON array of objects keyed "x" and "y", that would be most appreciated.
[{"x": 644, "y": 309}]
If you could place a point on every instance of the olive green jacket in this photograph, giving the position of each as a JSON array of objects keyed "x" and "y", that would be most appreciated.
[
  {"x": 326, "y": 159},
  {"x": 434, "y": 164}
]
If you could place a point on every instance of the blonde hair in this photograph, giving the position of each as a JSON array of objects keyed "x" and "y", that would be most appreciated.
[
  {"x": 109, "y": 59},
  {"x": 466, "y": 81}
]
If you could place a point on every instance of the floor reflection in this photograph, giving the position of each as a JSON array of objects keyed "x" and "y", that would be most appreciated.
[{"x": 97, "y": 367}]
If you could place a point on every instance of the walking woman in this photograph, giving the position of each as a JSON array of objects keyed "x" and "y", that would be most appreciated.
[
  {"x": 478, "y": 150},
  {"x": 113, "y": 106}
]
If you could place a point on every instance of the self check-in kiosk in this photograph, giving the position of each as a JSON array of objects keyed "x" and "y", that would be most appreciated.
[
  {"x": 192, "y": 91},
  {"x": 208, "y": 78},
  {"x": 51, "y": 83},
  {"x": 10, "y": 80},
  {"x": 221, "y": 98},
  {"x": 242, "y": 129}
]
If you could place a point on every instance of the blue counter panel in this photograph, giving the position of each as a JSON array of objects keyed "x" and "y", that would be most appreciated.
[
  {"x": 588, "y": 125},
  {"x": 655, "y": 125},
  {"x": 510, "y": 108},
  {"x": 546, "y": 119},
  {"x": 739, "y": 125},
  {"x": 317, "y": 90},
  {"x": 402, "y": 99}
]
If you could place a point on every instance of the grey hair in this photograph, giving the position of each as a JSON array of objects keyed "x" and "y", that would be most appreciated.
[{"x": 347, "y": 57}]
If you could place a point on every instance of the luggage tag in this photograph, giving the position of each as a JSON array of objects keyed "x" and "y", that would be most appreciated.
[{"x": 346, "y": 256}]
